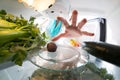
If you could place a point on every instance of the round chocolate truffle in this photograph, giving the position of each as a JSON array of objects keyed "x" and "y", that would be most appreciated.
[{"x": 51, "y": 47}]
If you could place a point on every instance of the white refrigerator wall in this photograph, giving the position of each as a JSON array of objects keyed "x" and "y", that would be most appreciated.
[{"x": 113, "y": 23}]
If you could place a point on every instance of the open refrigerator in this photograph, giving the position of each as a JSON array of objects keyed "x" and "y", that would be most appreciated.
[{"x": 97, "y": 23}]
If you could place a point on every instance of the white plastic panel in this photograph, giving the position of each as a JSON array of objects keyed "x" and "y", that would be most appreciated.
[{"x": 94, "y": 27}]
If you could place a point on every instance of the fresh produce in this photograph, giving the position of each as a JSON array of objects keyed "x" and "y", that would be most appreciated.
[
  {"x": 17, "y": 37},
  {"x": 102, "y": 72}
]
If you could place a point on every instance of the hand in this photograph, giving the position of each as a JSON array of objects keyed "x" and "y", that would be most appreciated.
[{"x": 72, "y": 30}]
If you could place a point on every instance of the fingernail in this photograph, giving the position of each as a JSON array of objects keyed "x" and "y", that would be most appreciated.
[
  {"x": 92, "y": 34},
  {"x": 75, "y": 12},
  {"x": 85, "y": 20}
]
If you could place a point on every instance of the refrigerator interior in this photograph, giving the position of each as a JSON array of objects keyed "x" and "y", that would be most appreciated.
[{"x": 93, "y": 10}]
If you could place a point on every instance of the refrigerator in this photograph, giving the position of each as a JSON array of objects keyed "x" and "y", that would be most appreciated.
[{"x": 102, "y": 19}]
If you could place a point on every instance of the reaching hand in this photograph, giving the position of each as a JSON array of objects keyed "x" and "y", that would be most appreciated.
[{"x": 72, "y": 30}]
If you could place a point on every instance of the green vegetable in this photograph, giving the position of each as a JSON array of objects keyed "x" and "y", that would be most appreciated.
[
  {"x": 17, "y": 37},
  {"x": 9, "y": 35},
  {"x": 100, "y": 71},
  {"x": 5, "y": 55},
  {"x": 6, "y": 24}
]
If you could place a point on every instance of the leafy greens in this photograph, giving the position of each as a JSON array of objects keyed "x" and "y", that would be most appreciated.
[{"x": 17, "y": 37}]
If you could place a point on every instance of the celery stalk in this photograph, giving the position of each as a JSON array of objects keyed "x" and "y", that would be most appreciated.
[
  {"x": 6, "y": 24},
  {"x": 17, "y": 37},
  {"x": 8, "y": 35}
]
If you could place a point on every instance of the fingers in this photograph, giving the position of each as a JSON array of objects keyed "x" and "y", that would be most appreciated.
[
  {"x": 64, "y": 21},
  {"x": 87, "y": 33},
  {"x": 58, "y": 37},
  {"x": 81, "y": 23},
  {"x": 74, "y": 18}
]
